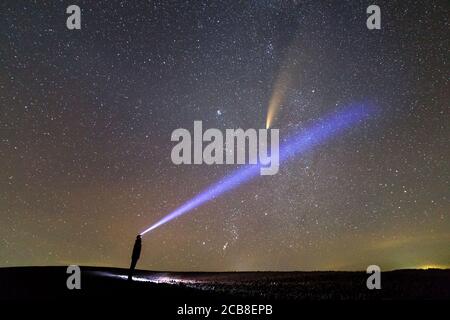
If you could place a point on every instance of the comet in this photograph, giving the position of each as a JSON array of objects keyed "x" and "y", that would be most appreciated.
[
  {"x": 294, "y": 145},
  {"x": 277, "y": 98}
]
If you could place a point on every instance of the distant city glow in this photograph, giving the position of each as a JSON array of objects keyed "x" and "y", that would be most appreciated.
[{"x": 433, "y": 266}]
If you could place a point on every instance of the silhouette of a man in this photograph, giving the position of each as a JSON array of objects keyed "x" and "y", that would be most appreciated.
[{"x": 135, "y": 256}]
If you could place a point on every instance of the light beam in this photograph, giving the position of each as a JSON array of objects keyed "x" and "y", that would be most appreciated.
[{"x": 296, "y": 144}]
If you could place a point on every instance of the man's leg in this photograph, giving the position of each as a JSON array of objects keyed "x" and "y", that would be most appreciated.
[{"x": 131, "y": 271}]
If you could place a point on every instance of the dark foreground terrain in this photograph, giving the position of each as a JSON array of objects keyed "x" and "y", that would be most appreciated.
[{"x": 170, "y": 290}]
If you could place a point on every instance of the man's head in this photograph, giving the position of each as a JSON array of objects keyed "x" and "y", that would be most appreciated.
[{"x": 138, "y": 237}]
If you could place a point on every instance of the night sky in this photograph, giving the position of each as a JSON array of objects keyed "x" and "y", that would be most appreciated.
[{"x": 86, "y": 118}]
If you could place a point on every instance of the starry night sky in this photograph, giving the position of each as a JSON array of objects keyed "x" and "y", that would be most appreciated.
[{"x": 86, "y": 118}]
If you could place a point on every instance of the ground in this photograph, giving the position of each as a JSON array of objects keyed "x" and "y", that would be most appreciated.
[{"x": 97, "y": 283}]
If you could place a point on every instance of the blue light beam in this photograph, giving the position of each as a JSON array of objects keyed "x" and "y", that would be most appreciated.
[{"x": 294, "y": 145}]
